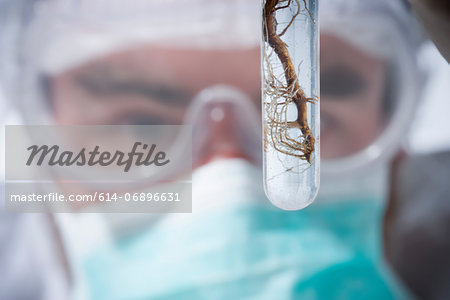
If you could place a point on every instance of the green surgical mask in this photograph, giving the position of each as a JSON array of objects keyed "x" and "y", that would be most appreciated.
[{"x": 240, "y": 247}]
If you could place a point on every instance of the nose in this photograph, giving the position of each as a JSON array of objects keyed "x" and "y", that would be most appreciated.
[{"x": 224, "y": 125}]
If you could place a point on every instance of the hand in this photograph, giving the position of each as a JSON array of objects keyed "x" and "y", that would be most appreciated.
[{"x": 435, "y": 16}]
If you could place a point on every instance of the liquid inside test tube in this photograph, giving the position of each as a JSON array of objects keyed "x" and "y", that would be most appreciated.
[{"x": 290, "y": 89}]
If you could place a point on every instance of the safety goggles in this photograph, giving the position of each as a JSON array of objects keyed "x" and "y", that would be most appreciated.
[{"x": 365, "y": 111}]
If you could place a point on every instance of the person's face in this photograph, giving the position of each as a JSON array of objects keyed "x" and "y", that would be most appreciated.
[
  {"x": 155, "y": 85},
  {"x": 152, "y": 85},
  {"x": 352, "y": 92},
  {"x": 149, "y": 85}
]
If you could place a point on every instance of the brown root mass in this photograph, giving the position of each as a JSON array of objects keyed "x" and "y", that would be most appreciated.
[{"x": 277, "y": 129}]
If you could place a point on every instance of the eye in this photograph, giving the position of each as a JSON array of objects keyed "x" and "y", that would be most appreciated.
[
  {"x": 341, "y": 82},
  {"x": 141, "y": 119}
]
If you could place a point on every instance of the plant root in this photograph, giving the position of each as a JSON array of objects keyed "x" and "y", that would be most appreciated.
[{"x": 283, "y": 93}]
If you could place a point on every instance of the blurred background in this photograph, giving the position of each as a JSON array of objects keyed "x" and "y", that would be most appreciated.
[{"x": 380, "y": 226}]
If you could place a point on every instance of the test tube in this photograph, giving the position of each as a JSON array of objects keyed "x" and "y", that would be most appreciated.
[{"x": 290, "y": 89}]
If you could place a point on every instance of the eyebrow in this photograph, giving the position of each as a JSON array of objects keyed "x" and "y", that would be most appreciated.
[{"x": 101, "y": 81}]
